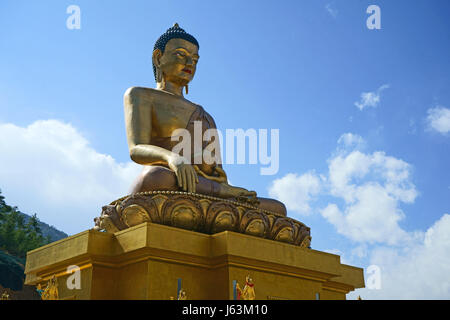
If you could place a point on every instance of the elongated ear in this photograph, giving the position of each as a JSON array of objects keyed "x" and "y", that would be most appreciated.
[{"x": 156, "y": 59}]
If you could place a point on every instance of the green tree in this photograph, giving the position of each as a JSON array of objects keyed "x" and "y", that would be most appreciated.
[
  {"x": 3, "y": 206},
  {"x": 16, "y": 236}
]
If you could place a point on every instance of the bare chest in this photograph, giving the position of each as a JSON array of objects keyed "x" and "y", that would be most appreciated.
[{"x": 168, "y": 114}]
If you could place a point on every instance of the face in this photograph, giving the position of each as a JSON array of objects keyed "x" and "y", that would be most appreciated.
[{"x": 179, "y": 61}]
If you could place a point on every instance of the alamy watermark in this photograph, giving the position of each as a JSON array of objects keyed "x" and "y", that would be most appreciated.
[
  {"x": 73, "y": 22},
  {"x": 374, "y": 20},
  {"x": 74, "y": 280},
  {"x": 373, "y": 279},
  {"x": 258, "y": 147}
]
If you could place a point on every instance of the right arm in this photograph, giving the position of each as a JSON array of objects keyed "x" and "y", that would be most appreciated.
[{"x": 138, "y": 123}]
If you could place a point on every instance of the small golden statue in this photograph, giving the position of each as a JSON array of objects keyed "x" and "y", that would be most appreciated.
[
  {"x": 51, "y": 291},
  {"x": 248, "y": 293},
  {"x": 182, "y": 295},
  {"x": 5, "y": 296}
]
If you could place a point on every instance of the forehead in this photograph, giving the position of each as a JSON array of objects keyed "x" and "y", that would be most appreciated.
[{"x": 176, "y": 43}]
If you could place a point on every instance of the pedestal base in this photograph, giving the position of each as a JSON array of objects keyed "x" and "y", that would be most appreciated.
[{"x": 147, "y": 261}]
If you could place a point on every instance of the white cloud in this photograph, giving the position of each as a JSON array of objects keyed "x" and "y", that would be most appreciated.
[
  {"x": 370, "y": 99},
  {"x": 349, "y": 171},
  {"x": 334, "y": 251},
  {"x": 372, "y": 187},
  {"x": 351, "y": 141},
  {"x": 49, "y": 168},
  {"x": 369, "y": 189},
  {"x": 338, "y": 253},
  {"x": 296, "y": 191},
  {"x": 439, "y": 119},
  {"x": 373, "y": 218},
  {"x": 418, "y": 271},
  {"x": 360, "y": 251}
]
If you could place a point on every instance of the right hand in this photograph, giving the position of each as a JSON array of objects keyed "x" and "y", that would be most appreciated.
[{"x": 186, "y": 176}]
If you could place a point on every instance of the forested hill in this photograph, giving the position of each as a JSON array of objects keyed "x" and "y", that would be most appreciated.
[
  {"x": 20, "y": 233},
  {"x": 47, "y": 231},
  {"x": 16, "y": 227}
]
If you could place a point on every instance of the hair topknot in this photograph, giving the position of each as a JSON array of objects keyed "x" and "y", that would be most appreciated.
[{"x": 172, "y": 33}]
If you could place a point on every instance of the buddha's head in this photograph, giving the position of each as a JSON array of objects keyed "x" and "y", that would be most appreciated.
[{"x": 175, "y": 57}]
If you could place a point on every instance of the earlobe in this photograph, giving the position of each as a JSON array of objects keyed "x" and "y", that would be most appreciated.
[{"x": 159, "y": 77}]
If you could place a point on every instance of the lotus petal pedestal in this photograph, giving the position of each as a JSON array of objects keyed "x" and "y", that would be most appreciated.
[{"x": 200, "y": 213}]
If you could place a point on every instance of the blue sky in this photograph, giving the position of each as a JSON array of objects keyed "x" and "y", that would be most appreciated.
[{"x": 298, "y": 66}]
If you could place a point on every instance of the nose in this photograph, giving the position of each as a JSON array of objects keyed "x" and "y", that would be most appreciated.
[{"x": 189, "y": 61}]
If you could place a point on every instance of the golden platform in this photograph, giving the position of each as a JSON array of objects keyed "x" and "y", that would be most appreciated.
[{"x": 148, "y": 261}]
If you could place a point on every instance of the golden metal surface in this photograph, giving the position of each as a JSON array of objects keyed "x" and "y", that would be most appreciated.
[{"x": 144, "y": 262}]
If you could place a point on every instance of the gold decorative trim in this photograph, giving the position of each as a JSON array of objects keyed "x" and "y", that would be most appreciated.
[
  {"x": 198, "y": 195},
  {"x": 276, "y": 298},
  {"x": 337, "y": 287},
  {"x": 200, "y": 213}
]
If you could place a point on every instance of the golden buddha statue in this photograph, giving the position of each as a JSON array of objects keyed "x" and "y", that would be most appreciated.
[
  {"x": 180, "y": 190},
  {"x": 152, "y": 115}
]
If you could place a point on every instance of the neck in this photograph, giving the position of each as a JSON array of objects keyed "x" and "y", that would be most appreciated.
[{"x": 171, "y": 87}]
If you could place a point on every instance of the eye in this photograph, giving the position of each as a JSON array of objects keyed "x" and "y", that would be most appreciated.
[{"x": 180, "y": 53}]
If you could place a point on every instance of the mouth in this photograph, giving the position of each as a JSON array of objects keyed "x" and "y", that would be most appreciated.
[{"x": 187, "y": 70}]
